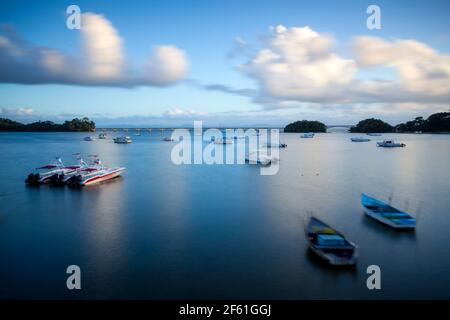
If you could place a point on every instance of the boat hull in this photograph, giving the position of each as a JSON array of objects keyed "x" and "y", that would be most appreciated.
[
  {"x": 334, "y": 260},
  {"x": 103, "y": 177},
  {"x": 387, "y": 222}
]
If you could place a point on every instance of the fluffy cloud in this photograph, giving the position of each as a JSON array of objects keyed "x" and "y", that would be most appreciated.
[
  {"x": 298, "y": 65},
  {"x": 166, "y": 65},
  {"x": 102, "y": 61},
  {"x": 423, "y": 74},
  {"x": 102, "y": 47}
]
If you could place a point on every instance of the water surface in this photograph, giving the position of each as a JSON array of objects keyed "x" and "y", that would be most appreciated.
[{"x": 222, "y": 231}]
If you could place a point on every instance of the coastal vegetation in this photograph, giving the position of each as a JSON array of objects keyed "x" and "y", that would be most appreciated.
[
  {"x": 76, "y": 124},
  {"x": 438, "y": 122},
  {"x": 372, "y": 126},
  {"x": 306, "y": 126}
]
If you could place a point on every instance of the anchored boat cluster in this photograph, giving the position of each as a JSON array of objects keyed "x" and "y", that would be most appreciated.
[{"x": 81, "y": 174}]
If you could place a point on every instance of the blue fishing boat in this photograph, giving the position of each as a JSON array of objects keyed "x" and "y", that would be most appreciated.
[
  {"x": 387, "y": 214},
  {"x": 329, "y": 244}
]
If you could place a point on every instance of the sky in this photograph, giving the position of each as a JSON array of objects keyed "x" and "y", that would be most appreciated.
[{"x": 228, "y": 63}]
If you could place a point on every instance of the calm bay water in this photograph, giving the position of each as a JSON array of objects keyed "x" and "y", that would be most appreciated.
[{"x": 222, "y": 231}]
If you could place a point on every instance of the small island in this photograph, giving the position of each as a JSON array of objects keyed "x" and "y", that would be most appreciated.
[
  {"x": 75, "y": 125},
  {"x": 306, "y": 126},
  {"x": 372, "y": 126}
]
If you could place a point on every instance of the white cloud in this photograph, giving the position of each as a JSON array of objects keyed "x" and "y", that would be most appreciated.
[
  {"x": 102, "y": 61},
  {"x": 102, "y": 46},
  {"x": 167, "y": 64},
  {"x": 298, "y": 65},
  {"x": 422, "y": 73},
  {"x": 177, "y": 112},
  {"x": 17, "y": 112}
]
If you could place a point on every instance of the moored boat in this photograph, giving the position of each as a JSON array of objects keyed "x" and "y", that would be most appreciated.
[
  {"x": 329, "y": 244},
  {"x": 390, "y": 144},
  {"x": 123, "y": 140},
  {"x": 307, "y": 135},
  {"x": 48, "y": 173},
  {"x": 89, "y": 138},
  {"x": 276, "y": 145},
  {"x": 102, "y": 135},
  {"x": 259, "y": 157},
  {"x": 360, "y": 139},
  {"x": 386, "y": 214},
  {"x": 374, "y": 134},
  {"x": 94, "y": 173}
]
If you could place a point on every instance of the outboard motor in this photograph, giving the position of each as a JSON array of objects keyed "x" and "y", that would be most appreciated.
[
  {"x": 33, "y": 179},
  {"x": 74, "y": 181}
]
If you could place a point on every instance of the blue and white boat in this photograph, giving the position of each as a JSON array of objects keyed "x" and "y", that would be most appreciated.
[
  {"x": 387, "y": 214},
  {"x": 390, "y": 144},
  {"x": 360, "y": 139},
  {"x": 307, "y": 135}
]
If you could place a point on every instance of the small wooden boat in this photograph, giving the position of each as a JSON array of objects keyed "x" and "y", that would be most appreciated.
[
  {"x": 387, "y": 214},
  {"x": 329, "y": 244}
]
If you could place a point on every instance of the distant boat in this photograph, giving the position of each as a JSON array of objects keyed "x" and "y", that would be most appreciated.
[
  {"x": 276, "y": 145},
  {"x": 168, "y": 139},
  {"x": 102, "y": 135},
  {"x": 387, "y": 214},
  {"x": 307, "y": 135},
  {"x": 89, "y": 139},
  {"x": 329, "y": 244},
  {"x": 360, "y": 139},
  {"x": 123, "y": 140},
  {"x": 374, "y": 134},
  {"x": 390, "y": 144},
  {"x": 260, "y": 157}
]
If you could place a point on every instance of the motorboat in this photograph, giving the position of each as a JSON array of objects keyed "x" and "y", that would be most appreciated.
[
  {"x": 329, "y": 244},
  {"x": 48, "y": 173},
  {"x": 390, "y": 144},
  {"x": 360, "y": 139},
  {"x": 259, "y": 157},
  {"x": 307, "y": 135},
  {"x": 89, "y": 139},
  {"x": 168, "y": 139},
  {"x": 94, "y": 173},
  {"x": 102, "y": 135},
  {"x": 374, "y": 134},
  {"x": 123, "y": 140},
  {"x": 386, "y": 214}
]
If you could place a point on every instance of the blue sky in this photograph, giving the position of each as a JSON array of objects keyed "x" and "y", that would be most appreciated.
[{"x": 206, "y": 33}]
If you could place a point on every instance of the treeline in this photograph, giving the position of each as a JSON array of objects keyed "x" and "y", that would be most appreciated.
[
  {"x": 438, "y": 122},
  {"x": 76, "y": 124}
]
